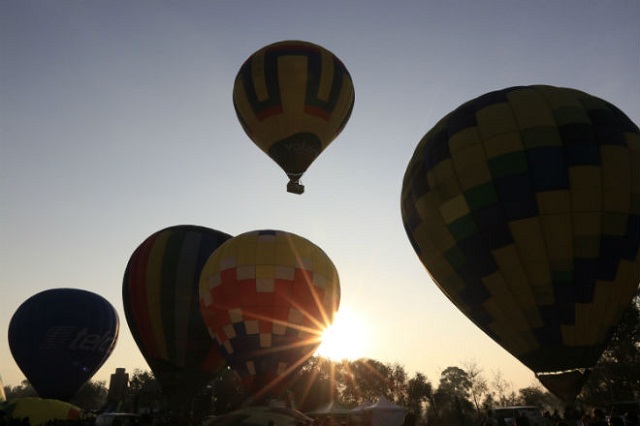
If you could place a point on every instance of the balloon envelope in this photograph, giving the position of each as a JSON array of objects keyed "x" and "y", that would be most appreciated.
[
  {"x": 40, "y": 411},
  {"x": 292, "y": 99},
  {"x": 61, "y": 337},
  {"x": 523, "y": 206},
  {"x": 266, "y": 296},
  {"x": 160, "y": 298}
]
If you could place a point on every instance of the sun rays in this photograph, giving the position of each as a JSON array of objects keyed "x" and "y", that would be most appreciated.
[{"x": 347, "y": 338}]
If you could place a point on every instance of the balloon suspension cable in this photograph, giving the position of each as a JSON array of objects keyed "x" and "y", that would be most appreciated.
[{"x": 294, "y": 186}]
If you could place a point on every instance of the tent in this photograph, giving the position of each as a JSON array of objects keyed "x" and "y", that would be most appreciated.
[
  {"x": 385, "y": 413},
  {"x": 331, "y": 409},
  {"x": 361, "y": 407},
  {"x": 260, "y": 415}
]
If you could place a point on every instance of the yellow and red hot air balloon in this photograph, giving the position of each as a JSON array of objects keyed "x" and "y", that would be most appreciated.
[
  {"x": 266, "y": 297},
  {"x": 293, "y": 98},
  {"x": 523, "y": 205},
  {"x": 160, "y": 298}
]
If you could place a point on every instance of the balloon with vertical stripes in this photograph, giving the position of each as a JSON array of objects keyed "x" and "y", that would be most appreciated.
[
  {"x": 293, "y": 98},
  {"x": 160, "y": 298}
]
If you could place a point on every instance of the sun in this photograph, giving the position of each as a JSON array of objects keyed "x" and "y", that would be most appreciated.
[{"x": 346, "y": 339}]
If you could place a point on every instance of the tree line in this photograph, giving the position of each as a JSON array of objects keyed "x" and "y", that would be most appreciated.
[{"x": 461, "y": 395}]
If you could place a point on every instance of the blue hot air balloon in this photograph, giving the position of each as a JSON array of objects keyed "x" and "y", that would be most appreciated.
[{"x": 61, "y": 337}]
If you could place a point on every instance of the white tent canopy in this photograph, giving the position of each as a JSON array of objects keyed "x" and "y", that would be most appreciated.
[
  {"x": 332, "y": 408},
  {"x": 385, "y": 413},
  {"x": 361, "y": 407}
]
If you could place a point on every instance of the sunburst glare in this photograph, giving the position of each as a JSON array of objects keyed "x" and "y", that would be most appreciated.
[{"x": 347, "y": 338}]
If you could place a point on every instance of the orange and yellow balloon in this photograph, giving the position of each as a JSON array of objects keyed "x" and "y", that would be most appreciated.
[{"x": 266, "y": 297}]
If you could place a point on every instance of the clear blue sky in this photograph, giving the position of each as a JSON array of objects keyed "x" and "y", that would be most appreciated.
[{"x": 117, "y": 121}]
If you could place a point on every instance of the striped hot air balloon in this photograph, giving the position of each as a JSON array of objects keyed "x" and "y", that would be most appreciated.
[
  {"x": 293, "y": 98},
  {"x": 160, "y": 298}
]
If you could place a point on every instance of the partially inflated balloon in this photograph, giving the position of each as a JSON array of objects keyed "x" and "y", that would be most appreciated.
[
  {"x": 292, "y": 99},
  {"x": 40, "y": 411},
  {"x": 160, "y": 297},
  {"x": 266, "y": 296},
  {"x": 61, "y": 337},
  {"x": 523, "y": 205}
]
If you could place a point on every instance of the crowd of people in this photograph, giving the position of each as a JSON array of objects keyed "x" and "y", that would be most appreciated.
[
  {"x": 595, "y": 417},
  {"x": 24, "y": 421}
]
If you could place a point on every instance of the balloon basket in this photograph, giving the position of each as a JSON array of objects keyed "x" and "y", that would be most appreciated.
[{"x": 295, "y": 187}]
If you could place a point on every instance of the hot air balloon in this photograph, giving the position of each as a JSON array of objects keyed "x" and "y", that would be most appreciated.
[
  {"x": 60, "y": 338},
  {"x": 523, "y": 205},
  {"x": 266, "y": 296},
  {"x": 39, "y": 411},
  {"x": 293, "y": 98},
  {"x": 160, "y": 298}
]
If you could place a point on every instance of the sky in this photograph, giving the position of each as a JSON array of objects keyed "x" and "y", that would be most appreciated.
[{"x": 117, "y": 121}]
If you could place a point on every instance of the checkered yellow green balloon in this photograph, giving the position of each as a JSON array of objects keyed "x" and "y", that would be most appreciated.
[{"x": 523, "y": 205}]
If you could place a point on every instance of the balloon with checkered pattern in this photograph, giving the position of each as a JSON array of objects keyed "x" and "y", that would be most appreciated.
[
  {"x": 523, "y": 205},
  {"x": 266, "y": 297}
]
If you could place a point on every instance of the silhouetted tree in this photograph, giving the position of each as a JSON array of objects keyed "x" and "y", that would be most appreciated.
[
  {"x": 451, "y": 405},
  {"x": 537, "y": 396},
  {"x": 227, "y": 392},
  {"x": 479, "y": 389},
  {"x": 398, "y": 384},
  {"x": 419, "y": 393},
  {"x": 455, "y": 381},
  {"x": 24, "y": 389},
  {"x": 616, "y": 377},
  {"x": 365, "y": 380},
  {"x": 144, "y": 392},
  {"x": 504, "y": 394},
  {"x": 141, "y": 380},
  {"x": 316, "y": 383},
  {"x": 92, "y": 396}
]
